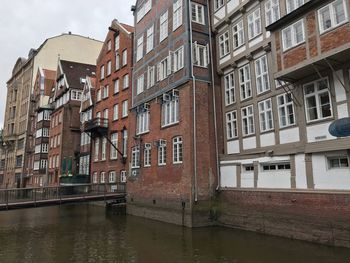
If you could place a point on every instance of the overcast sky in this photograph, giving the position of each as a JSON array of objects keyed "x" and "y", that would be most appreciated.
[{"x": 25, "y": 24}]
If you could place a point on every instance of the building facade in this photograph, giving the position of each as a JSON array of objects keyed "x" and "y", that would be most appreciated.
[
  {"x": 64, "y": 132},
  {"x": 110, "y": 124},
  {"x": 36, "y": 158},
  {"x": 19, "y": 91},
  {"x": 172, "y": 133}
]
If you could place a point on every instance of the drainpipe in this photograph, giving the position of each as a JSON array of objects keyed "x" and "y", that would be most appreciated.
[
  {"x": 194, "y": 109},
  {"x": 214, "y": 99}
]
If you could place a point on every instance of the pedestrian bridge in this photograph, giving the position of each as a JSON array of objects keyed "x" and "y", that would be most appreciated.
[{"x": 44, "y": 196}]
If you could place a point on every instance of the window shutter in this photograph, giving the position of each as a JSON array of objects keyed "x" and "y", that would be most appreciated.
[
  {"x": 158, "y": 71},
  {"x": 207, "y": 55},
  {"x": 195, "y": 53},
  {"x": 170, "y": 60}
]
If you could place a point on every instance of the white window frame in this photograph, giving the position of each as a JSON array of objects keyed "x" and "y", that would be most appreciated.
[
  {"x": 262, "y": 78},
  {"x": 150, "y": 39},
  {"x": 177, "y": 150},
  {"x": 292, "y": 5},
  {"x": 135, "y": 157},
  {"x": 125, "y": 109},
  {"x": 201, "y": 55},
  {"x": 103, "y": 177},
  {"x": 177, "y": 14},
  {"x": 142, "y": 122},
  {"x": 238, "y": 34},
  {"x": 102, "y": 72},
  {"x": 332, "y": 16},
  {"x": 293, "y": 35},
  {"x": 170, "y": 112},
  {"x": 104, "y": 149},
  {"x": 109, "y": 67},
  {"x": 285, "y": 105},
  {"x": 231, "y": 125},
  {"x": 97, "y": 149},
  {"x": 139, "y": 52},
  {"x": 272, "y": 11},
  {"x": 341, "y": 165},
  {"x": 116, "y": 43},
  {"x": 147, "y": 155},
  {"x": 197, "y": 13},
  {"x": 265, "y": 115},
  {"x": 254, "y": 24},
  {"x": 112, "y": 178},
  {"x": 115, "y": 112},
  {"x": 245, "y": 85},
  {"x": 125, "y": 57},
  {"x": 126, "y": 81},
  {"x": 140, "y": 84},
  {"x": 229, "y": 85},
  {"x": 224, "y": 46},
  {"x": 218, "y": 4},
  {"x": 116, "y": 86},
  {"x": 113, "y": 151},
  {"x": 178, "y": 59},
  {"x": 163, "y": 26},
  {"x": 248, "y": 125},
  {"x": 151, "y": 76},
  {"x": 162, "y": 154}
]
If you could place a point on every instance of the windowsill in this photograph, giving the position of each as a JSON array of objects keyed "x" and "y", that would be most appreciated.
[
  {"x": 199, "y": 66},
  {"x": 142, "y": 133},
  {"x": 147, "y": 166},
  {"x": 263, "y": 92},
  {"x": 123, "y": 117},
  {"x": 162, "y": 165},
  {"x": 249, "y": 135},
  {"x": 230, "y": 104},
  {"x": 319, "y": 120},
  {"x": 115, "y": 120},
  {"x": 225, "y": 55},
  {"x": 203, "y": 24},
  {"x": 177, "y": 163},
  {"x": 116, "y": 70},
  {"x": 287, "y": 127},
  {"x": 254, "y": 37},
  {"x": 236, "y": 48},
  {"x": 232, "y": 139},
  {"x": 332, "y": 28},
  {"x": 115, "y": 93},
  {"x": 246, "y": 99},
  {"x": 170, "y": 125},
  {"x": 267, "y": 131}
]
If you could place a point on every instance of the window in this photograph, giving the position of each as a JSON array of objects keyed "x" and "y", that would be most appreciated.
[
  {"x": 43, "y": 164},
  {"x": 97, "y": 148},
  {"x": 238, "y": 34},
  {"x": 272, "y": 9},
  {"x": 197, "y": 13},
  {"x": 285, "y": 110},
  {"x": 177, "y": 150},
  {"x": 98, "y": 95},
  {"x": 103, "y": 149},
  {"x": 218, "y": 4},
  {"x": 103, "y": 177},
  {"x": 125, "y": 142},
  {"x": 102, "y": 72},
  {"x": 254, "y": 24},
  {"x": 248, "y": 167},
  {"x": 116, "y": 43},
  {"x": 94, "y": 178},
  {"x": 142, "y": 122},
  {"x": 126, "y": 81},
  {"x": 163, "y": 33},
  {"x": 178, "y": 56},
  {"x": 115, "y": 112},
  {"x": 150, "y": 39},
  {"x": 231, "y": 125},
  {"x": 47, "y": 116},
  {"x": 117, "y": 61},
  {"x": 139, "y": 53},
  {"x": 201, "y": 55},
  {"x": 140, "y": 84},
  {"x": 116, "y": 86},
  {"x": 170, "y": 110},
  {"x": 275, "y": 167},
  {"x": 75, "y": 95},
  {"x": 144, "y": 9},
  {"x": 332, "y": 15},
  {"x": 112, "y": 177},
  {"x": 123, "y": 176},
  {"x": 114, "y": 141},
  {"x": 45, "y": 132},
  {"x": 147, "y": 155},
  {"x": 135, "y": 157},
  {"x": 177, "y": 14},
  {"x": 265, "y": 114},
  {"x": 262, "y": 75},
  {"x": 248, "y": 120},
  {"x": 293, "y": 35},
  {"x": 125, "y": 58},
  {"x": 244, "y": 82},
  {"x": 109, "y": 68},
  {"x": 105, "y": 92},
  {"x": 224, "y": 44},
  {"x": 317, "y": 100},
  {"x": 125, "y": 109},
  {"x": 164, "y": 68},
  {"x": 293, "y": 4},
  {"x": 229, "y": 83},
  {"x": 338, "y": 162},
  {"x": 105, "y": 114},
  {"x": 150, "y": 77},
  {"x": 45, "y": 148},
  {"x": 109, "y": 45},
  {"x": 161, "y": 152}
]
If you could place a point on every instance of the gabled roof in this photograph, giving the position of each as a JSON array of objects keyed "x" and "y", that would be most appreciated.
[{"x": 75, "y": 71}]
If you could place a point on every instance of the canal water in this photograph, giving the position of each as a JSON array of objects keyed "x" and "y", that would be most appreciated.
[{"x": 86, "y": 233}]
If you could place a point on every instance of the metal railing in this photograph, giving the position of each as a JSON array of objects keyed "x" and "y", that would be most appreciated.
[
  {"x": 95, "y": 124},
  {"x": 59, "y": 194}
]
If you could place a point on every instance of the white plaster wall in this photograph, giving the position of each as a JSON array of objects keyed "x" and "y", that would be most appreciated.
[
  {"x": 225, "y": 59},
  {"x": 342, "y": 111},
  {"x": 267, "y": 139},
  {"x": 300, "y": 171},
  {"x": 220, "y": 13},
  {"x": 340, "y": 94},
  {"x": 274, "y": 179},
  {"x": 319, "y": 130},
  {"x": 289, "y": 135},
  {"x": 233, "y": 147},
  {"x": 247, "y": 179},
  {"x": 228, "y": 176},
  {"x": 329, "y": 179},
  {"x": 256, "y": 41},
  {"x": 231, "y": 5},
  {"x": 249, "y": 143},
  {"x": 239, "y": 51}
]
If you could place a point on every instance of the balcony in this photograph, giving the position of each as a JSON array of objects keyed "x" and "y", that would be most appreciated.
[{"x": 97, "y": 127}]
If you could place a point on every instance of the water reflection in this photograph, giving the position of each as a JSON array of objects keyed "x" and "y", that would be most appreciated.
[{"x": 85, "y": 233}]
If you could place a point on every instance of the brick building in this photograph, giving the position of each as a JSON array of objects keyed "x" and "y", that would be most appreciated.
[
  {"x": 110, "y": 124},
  {"x": 282, "y": 172},
  {"x": 36, "y": 158},
  {"x": 173, "y": 169},
  {"x": 64, "y": 132}
]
